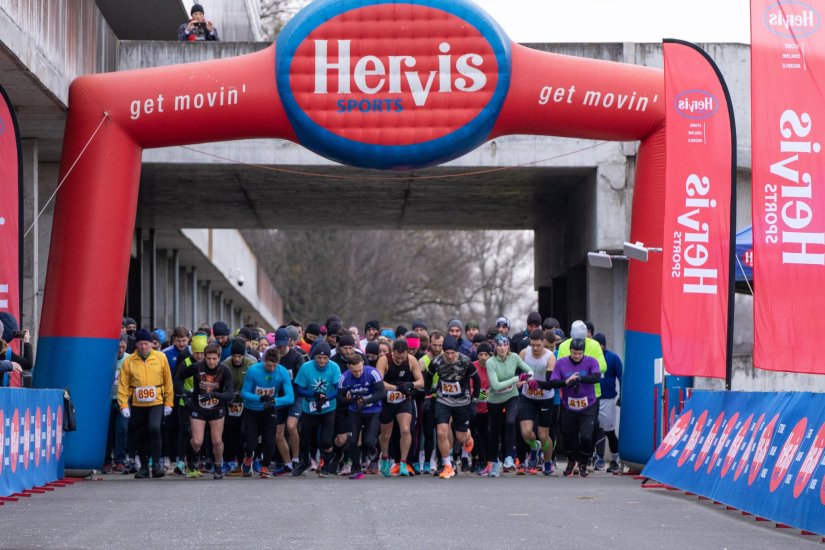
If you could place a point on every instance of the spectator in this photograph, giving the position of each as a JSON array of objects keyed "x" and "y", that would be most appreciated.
[
  {"x": 118, "y": 424},
  {"x": 198, "y": 28}
]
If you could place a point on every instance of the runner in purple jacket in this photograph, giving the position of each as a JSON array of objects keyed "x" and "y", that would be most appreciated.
[{"x": 576, "y": 375}]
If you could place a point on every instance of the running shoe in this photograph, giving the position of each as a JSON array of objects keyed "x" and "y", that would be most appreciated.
[
  {"x": 194, "y": 473},
  {"x": 426, "y": 467},
  {"x": 264, "y": 472},
  {"x": 395, "y": 470},
  {"x": 613, "y": 468},
  {"x": 485, "y": 472},
  {"x": 357, "y": 475},
  {"x": 158, "y": 471},
  {"x": 256, "y": 466},
  {"x": 599, "y": 463},
  {"x": 495, "y": 471},
  {"x": 299, "y": 469},
  {"x": 548, "y": 469},
  {"x": 532, "y": 462},
  {"x": 509, "y": 465},
  {"x": 417, "y": 468},
  {"x": 447, "y": 472},
  {"x": 282, "y": 470},
  {"x": 226, "y": 467},
  {"x": 142, "y": 474},
  {"x": 385, "y": 467},
  {"x": 313, "y": 464},
  {"x": 532, "y": 470},
  {"x": 569, "y": 470},
  {"x": 346, "y": 469},
  {"x": 521, "y": 470},
  {"x": 107, "y": 469},
  {"x": 583, "y": 470},
  {"x": 372, "y": 468},
  {"x": 180, "y": 467},
  {"x": 465, "y": 464},
  {"x": 247, "y": 467},
  {"x": 119, "y": 469},
  {"x": 404, "y": 470},
  {"x": 237, "y": 469},
  {"x": 207, "y": 467},
  {"x": 218, "y": 473},
  {"x": 323, "y": 472},
  {"x": 468, "y": 445}
]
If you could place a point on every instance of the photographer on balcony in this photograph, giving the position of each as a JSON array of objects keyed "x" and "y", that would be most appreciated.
[{"x": 198, "y": 28}]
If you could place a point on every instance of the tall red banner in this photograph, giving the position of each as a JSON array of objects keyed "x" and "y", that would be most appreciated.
[
  {"x": 11, "y": 185},
  {"x": 788, "y": 126},
  {"x": 697, "y": 235}
]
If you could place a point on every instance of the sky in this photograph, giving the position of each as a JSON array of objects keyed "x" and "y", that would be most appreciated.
[{"x": 622, "y": 20}]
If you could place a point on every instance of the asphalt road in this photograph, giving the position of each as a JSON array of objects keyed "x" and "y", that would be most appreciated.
[{"x": 602, "y": 511}]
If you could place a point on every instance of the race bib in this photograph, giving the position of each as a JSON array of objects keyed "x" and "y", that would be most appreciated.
[
  {"x": 395, "y": 397},
  {"x": 146, "y": 394},
  {"x": 264, "y": 391},
  {"x": 577, "y": 403},
  {"x": 313, "y": 406},
  {"x": 208, "y": 403},
  {"x": 450, "y": 388},
  {"x": 235, "y": 409},
  {"x": 535, "y": 393}
]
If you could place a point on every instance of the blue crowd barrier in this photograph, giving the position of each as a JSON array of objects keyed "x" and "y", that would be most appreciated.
[
  {"x": 758, "y": 452},
  {"x": 31, "y": 438}
]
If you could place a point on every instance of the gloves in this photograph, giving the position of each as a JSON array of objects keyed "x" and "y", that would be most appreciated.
[
  {"x": 320, "y": 398},
  {"x": 267, "y": 401},
  {"x": 359, "y": 402},
  {"x": 167, "y": 411},
  {"x": 126, "y": 413},
  {"x": 206, "y": 396},
  {"x": 532, "y": 384},
  {"x": 524, "y": 376},
  {"x": 405, "y": 387}
]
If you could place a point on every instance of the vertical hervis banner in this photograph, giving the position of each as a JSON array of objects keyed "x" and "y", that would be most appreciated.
[
  {"x": 11, "y": 202},
  {"x": 700, "y": 175},
  {"x": 788, "y": 125}
]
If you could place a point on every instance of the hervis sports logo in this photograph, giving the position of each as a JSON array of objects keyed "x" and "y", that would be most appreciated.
[{"x": 387, "y": 84}]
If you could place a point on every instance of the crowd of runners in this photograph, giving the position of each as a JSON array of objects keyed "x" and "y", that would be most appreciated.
[{"x": 400, "y": 402}]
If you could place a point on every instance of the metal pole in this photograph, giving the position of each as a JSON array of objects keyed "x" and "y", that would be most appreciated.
[{"x": 176, "y": 297}]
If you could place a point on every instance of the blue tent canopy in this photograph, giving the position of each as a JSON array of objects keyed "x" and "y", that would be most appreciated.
[{"x": 744, "y": 255}]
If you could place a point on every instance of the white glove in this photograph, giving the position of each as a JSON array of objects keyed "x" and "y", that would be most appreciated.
[
  {"x": 167, "y": 411},
  {"x": 126, "y": 412}
]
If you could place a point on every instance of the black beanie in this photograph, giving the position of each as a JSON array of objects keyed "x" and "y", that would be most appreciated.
[
  {"x": 196, "y": 7},
  {"x": 372, "y": 348},
  {"x": 484, "y": 347},
  {"x": 238, "y": 347},
  {"x": 313, "y": 328},
  {"x": 322, "y": 349},
  {"x": 220, "y": 329},
  {"x": 346, "y": 340}
]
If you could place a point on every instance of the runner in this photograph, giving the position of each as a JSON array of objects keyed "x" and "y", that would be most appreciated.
[
  {"x": 503, "y": 401},
  {"x": 480, "y": 424},
  {"x": 362, "y": 388},
  {"x": 434, "y": 349},
  {"x": 316, "y": 382},
  {"x": 183, "y": 392},
  {"x": 537, "y": 403},
  {"x": 341, "y": 355},
  {"x": 286, "y": 342},
  {"x": 454, "y": 395},
  {"x": 212, "y": 390},
  {"x": 576, "y": 375},
  {"x": 238, "y": 364},
  {"x": 262, "y": 386},
  {"x": 146, "y": 381},
  {"x": 401, "y": 374}
]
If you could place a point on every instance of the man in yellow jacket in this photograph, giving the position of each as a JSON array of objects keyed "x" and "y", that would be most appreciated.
[{"x": 145, "y": 395}]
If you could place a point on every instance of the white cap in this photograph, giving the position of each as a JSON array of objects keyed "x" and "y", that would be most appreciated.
[{"x": 578, "y": 330}]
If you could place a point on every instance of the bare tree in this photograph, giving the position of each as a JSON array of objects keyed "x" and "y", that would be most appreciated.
[
  {"x": 276, "y": 13},
  {"x": 396, "y": 276}
]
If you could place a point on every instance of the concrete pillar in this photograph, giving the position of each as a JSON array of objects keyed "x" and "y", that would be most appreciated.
[
  {"x": 210, "y": 317},
  {"x": 30, "y": 304},
  {"x": 193, "y": 288},
  {"x": 176, "y": 288}
]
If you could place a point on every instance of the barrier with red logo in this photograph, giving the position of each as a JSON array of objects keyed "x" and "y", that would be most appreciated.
[
  {"x": 757, "y": 452},
  {"x": 31, "y": 438}
]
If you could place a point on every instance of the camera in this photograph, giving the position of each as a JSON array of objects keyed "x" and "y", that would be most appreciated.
[
  {"x": 17, "y": 334},
  {"x": 240, "y": 280}
]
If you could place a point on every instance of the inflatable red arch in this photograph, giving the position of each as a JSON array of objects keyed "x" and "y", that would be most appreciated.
[{"x": 369, "y": 83}]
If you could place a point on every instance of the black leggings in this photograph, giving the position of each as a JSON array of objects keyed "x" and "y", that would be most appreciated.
[
  {"x": 234, "y": 437},
  {"x": 366, "y": 423},
  {"x": 428, "y": 426},
  {"x": 480, "y": 426},
  {"x": 146, "y": 421},
  {"x": 184, "y": 430},
  {"x": 508, "y": 411},
  {"x": 320, "y": 426},
  {"x": 577, "y": 433},
  {"x": 260, "y": 423}
]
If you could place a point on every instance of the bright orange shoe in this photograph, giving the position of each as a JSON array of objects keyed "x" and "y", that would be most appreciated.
[
  {"x": 395, "y": 470},
  {"x": 468, "y": 445},
  {"x": 447, "y": 472}
]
